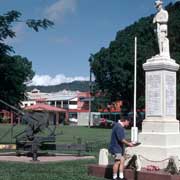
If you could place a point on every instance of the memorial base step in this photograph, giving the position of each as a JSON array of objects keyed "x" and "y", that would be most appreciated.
[{"x": 106, "y": 172}]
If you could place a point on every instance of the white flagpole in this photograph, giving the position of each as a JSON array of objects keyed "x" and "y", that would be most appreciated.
[
  {"x": 134, "y": 129},
  {"x": 135, "y": 75}
]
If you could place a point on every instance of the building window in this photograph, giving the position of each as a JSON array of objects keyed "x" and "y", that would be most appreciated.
[
  {"x": 58, "y": 103},
  {"x": 65, "y": 102},
  {"x": 52, "y": 103},
  {"x": 73, "y": 102},
  {"x": 73, "y": 115}
]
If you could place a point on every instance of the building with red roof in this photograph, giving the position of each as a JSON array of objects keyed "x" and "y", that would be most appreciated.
[{"x": 57, "y": 115}]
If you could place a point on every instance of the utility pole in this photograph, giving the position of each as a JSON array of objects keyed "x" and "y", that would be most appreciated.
[{"x": 90, "y": 84}]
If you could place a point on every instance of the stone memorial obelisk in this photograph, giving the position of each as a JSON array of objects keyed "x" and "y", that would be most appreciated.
[{"x": 160, "y": 136}]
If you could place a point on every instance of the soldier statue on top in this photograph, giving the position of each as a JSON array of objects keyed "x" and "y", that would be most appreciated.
[{"x": 161, "y": 19}]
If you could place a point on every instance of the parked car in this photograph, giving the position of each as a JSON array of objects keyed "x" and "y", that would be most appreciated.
[
  {"x": 73, "y": 121},
  {"x": 102, "y": 122}
]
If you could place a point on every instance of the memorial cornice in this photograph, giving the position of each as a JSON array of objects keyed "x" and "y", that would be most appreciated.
[{"x": 160, "y": 63}]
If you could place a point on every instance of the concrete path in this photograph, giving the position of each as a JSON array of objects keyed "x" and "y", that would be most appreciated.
[{"x": 44, "y": 159}]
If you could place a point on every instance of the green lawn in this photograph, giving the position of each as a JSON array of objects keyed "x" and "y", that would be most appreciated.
[
  {"x": 73, "y": 170},
  {"x": 65, "y": 134}
]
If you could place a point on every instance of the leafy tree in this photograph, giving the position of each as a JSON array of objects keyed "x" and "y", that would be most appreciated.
[
  {"x": 113, "y": 67},
  {"x": 15, "y": 70},
  {"x": 6, "y": 31}
]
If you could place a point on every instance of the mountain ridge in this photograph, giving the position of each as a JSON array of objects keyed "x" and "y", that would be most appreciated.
[{"x": 82, "y": 86}]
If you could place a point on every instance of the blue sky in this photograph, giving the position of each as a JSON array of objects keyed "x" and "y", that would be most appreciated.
[{"x": 60, "y": 54}]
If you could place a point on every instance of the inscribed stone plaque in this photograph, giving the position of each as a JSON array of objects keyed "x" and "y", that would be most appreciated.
[
  {"x": 153, "y": 94},
  {"x": 170, "y": 90}
]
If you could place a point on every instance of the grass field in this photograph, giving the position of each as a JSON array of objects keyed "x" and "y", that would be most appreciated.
[
  {"x": 65, "y": 134},
  {"x": 74, "y": 170}
]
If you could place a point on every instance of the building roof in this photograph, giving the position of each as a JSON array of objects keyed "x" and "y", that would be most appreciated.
[
  {"x": 60, "y": 98},
  {"x": 56, "y": 96},
  {"x": 44, "y": 107}
]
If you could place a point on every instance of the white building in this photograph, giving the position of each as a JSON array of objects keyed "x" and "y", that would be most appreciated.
[
  {"x": 63, "y": 99},
  {"x": 73, "y": 101}
]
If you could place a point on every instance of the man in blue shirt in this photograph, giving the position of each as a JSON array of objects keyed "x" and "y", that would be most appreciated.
[{"x": 116, "y": 147}]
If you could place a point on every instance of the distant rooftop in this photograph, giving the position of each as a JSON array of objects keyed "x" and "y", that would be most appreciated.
[
  {"x": 61, "y": 95},
  {"x": 45, "y": 107}
]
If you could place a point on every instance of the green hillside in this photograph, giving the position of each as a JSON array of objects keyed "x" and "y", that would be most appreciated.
[{"x": 82, "y": 86}]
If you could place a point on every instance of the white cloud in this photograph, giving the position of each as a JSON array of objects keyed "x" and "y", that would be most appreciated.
[
  {"x": 46, "y": 80},
  {"x": 60, "y": 8}
]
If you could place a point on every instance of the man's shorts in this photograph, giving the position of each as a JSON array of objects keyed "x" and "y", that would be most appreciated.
[{"x": 118, "y": 156}]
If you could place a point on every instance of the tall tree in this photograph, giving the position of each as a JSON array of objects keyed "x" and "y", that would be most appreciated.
[
  {"x": 6, "y": 24},
  {"x": 15, "y": 70}
]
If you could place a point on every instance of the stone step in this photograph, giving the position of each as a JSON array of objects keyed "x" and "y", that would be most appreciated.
[{"x": 106, "y": 172}]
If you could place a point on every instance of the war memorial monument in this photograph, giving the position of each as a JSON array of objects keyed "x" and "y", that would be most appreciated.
[{"x": 160, "y": 136}]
